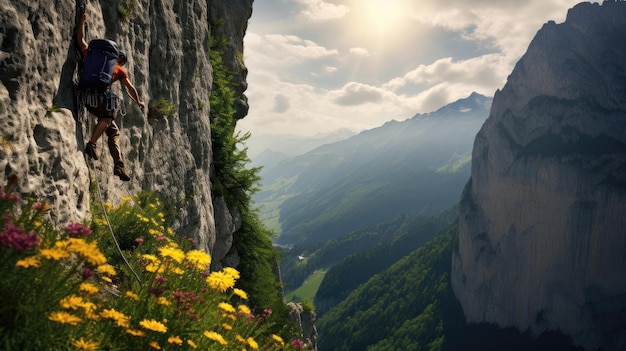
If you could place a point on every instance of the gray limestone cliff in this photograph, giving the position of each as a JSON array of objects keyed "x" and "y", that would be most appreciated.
[
  {"x": 42, "y": 133},
  {"x": 542, "y": 241}
]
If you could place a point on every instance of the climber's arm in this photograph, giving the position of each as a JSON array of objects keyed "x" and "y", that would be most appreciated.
[
  {"x": 80, "y": 34},
  {"x": 132, "y": 91}
]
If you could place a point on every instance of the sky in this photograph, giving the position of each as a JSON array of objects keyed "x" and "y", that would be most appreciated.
[{"x": 316, "y": 66}]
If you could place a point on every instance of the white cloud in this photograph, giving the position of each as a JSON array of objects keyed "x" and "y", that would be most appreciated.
[
  {"x": 319, "y": 10},
  {"x": 359, "y": 51},
  {"x": 354, "y": 93},
  {"x": 488, "y": 71},
  {"x": 296, "y": 47}
]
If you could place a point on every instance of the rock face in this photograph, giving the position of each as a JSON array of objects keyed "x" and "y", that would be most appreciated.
[
  {"x": 305, "y": 321},
  {"x": 42, "y": 133},
  {"x": 542, "y": 222}
]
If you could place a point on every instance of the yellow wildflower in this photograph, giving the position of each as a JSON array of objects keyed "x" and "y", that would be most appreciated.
[
  {"x": 199, "y": 259},
  {"x": 163, "y": 301},
  {"x": 89, "y": 306},
  {"x": 135, "y": 332},
  {"x": 226, "y": 307},
  {"x": 107, "y": 279},
  {"x": 227, "y": 326},
  {"x": 153, "y": 325},
  {"x": 121, "y": 319},
  {"x": 244, "y": 309},
  {"x": 253, "y": 344},
  {"x": 91, "y": 313},
  {"x": 192, "y": 344},
  {"x": 54, "y": 254},
  {"x": 177, "y": 270},
  {"x": 85, "y": 345},
  {"x": 220, "y": 281},
  {"x": 89, "y": 251},
  {"x": 132, "y": 295},
  {"x": 155, "y": 345},
  {"x": 149, "y": 257},
  {"x": 174, "y": 253},
  {"x": 37, "y": 224},
  {"x": 278, "y": 339},
  {"x": 240, "y": 293},
  {"x": 71, "y": 302},
  {"x": 126, "y": 198},
  {"x": 64, "y": 318},
  {"x": 175, "y": 340},
  {"x": 215, "y": 337},
  {"x": 28, "y": 262},
  {"x": 232, "y": 272},
  {"x": 240, "y": 339},
  {"x": 106, "y": 269},
  {"x": 154, "y": 265},
  {"x": 88, "y": 288}
]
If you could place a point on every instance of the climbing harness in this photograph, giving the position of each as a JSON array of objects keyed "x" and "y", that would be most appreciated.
[{"x": 93, "y": 98}]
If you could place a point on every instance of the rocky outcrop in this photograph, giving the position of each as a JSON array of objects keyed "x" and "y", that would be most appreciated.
[
  {"x": 43, "y": 134},
  {"x": 541, "y": 242},
  {"x": 305, "y": 321}
]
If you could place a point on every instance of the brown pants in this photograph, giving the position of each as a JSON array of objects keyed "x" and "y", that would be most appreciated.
[{"x": 112, "y": 132}]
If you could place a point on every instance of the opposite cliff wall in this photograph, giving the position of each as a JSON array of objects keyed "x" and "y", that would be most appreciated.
[
  {"x": 542, "y": 223},
  {"x": 43, "y": 134}
]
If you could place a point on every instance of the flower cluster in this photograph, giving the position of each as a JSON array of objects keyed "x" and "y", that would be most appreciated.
[
  {"x": 77, "y": 230},
  {"x": 64, "y": 284},
  {"x": 14, "y": 237}
]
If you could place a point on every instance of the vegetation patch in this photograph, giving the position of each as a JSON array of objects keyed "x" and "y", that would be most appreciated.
[{"x": 308, "y": 289}]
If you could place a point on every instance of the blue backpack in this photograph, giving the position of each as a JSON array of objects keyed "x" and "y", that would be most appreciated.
[{"x": 97, "y": 73}]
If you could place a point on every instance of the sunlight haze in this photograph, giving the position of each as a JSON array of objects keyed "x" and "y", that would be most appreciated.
[{"x": 316, "y": 66}]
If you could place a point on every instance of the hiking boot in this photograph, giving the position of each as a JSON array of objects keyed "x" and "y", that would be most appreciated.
[
  {"x": 90, "y": 150},
  {"x": 120, "y": 172}
]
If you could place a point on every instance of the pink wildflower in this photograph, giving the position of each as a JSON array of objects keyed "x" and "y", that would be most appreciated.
[
  {"x": 297, "y": 343},
  {"x": 76, "y": 230},
  {"x": 14, "y": 237},
  {"x": 87, "y": 273}
]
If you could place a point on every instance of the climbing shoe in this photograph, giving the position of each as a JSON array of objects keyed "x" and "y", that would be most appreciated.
[
  {"x": 120, "y": 172},
  {"x": 90, "y": 150}
]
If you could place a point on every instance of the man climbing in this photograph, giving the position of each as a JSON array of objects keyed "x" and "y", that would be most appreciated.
[{"x": 102, "y": 102}]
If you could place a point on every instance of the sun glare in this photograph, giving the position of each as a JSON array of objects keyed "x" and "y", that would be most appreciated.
[{"x": 384, "y": 15}]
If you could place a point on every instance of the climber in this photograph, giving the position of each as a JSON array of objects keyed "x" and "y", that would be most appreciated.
[{"x": 102, "y": 102}]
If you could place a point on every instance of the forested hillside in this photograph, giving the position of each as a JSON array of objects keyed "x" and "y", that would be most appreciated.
[
  {"x": 380, "y": 245},
  {"x": 358, "y": 268},
  {"x": 410, "y": 306}
]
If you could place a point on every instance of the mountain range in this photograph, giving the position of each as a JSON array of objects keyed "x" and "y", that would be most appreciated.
[{"x": 419, "y": 165}]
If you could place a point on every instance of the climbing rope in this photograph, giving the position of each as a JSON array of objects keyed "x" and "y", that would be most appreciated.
[{"x": 90, "y": 165}]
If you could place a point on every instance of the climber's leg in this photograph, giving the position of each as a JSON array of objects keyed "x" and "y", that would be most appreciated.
[{"x": 113, "y": 134}]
